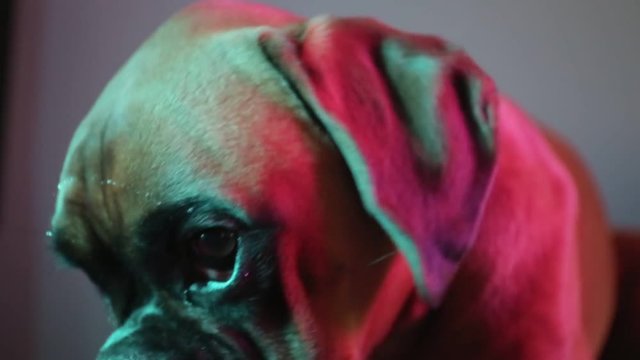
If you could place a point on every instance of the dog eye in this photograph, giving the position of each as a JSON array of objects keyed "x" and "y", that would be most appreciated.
[{"x": 214, "y": 251}]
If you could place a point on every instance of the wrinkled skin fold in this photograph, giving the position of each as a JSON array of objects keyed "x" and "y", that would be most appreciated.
[{"x": 370, "y": 192}]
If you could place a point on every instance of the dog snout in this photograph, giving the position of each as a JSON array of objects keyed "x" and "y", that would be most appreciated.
[
  {"x": 159, "y": 337},
  {"x": 160, "y": 346}
]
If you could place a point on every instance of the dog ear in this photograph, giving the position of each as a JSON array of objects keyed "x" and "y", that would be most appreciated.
[{"x": 413, "y": 119}]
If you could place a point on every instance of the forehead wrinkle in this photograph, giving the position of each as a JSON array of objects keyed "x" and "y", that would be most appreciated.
[
  {"x": 84, "y": 198},
  {"x": 65, "y": 240},
  {"x": 106, "y": 184},
  {"x": 76, "y": 235},
  {"x": 76, "y": 182}
]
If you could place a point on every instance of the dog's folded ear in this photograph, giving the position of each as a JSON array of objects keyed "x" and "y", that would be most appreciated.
[{"x": 413, "y": 118}]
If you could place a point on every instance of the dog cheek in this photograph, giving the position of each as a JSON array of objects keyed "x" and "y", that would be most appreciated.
[{"x": 289, "y": 202}]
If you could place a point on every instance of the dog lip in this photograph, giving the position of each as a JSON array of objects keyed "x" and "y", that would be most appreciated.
[{"x": 243, "y": 343}]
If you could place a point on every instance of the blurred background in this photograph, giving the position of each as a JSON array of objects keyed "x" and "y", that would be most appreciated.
[{"x": 571, "y": 63}]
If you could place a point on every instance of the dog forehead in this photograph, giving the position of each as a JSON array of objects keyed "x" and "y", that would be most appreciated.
[{"x": 212, "y": 119}]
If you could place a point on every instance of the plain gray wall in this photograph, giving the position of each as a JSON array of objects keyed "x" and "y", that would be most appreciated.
[{"x": 572, "y": 63}]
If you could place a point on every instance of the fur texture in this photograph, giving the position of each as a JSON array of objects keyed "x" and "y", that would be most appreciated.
[{"x": 386, "y": 199}]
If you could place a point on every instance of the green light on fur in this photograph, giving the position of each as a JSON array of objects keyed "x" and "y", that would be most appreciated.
[{"x": 414, "y": 78}]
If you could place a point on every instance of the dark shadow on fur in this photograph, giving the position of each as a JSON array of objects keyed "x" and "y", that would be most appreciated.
[{"x": 624, "y": 339}]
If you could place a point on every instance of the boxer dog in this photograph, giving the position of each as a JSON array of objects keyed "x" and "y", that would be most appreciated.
[{"x": 253, "y": 185}]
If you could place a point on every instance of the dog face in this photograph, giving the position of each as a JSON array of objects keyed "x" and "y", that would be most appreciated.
[{"x": 240, "y": 190}]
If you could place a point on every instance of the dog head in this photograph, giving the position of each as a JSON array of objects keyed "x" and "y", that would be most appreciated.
[{"x": 253, "y": 185}]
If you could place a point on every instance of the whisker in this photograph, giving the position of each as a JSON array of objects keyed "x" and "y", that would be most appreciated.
[{"x": 383, "y": 257}]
